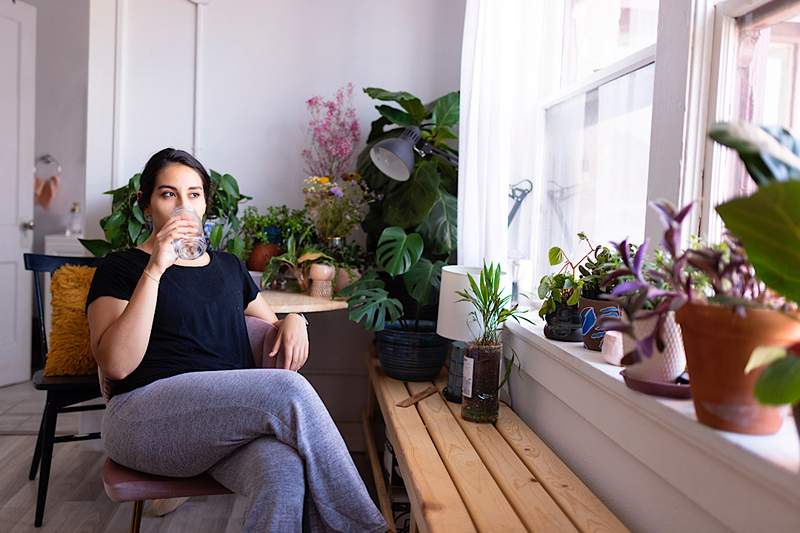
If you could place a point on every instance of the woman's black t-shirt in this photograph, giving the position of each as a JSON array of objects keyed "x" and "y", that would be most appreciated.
[{"x": 199, "y": 319}]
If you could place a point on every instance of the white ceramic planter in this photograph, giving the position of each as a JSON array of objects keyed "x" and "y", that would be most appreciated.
[{"x": 666, "y": 365}]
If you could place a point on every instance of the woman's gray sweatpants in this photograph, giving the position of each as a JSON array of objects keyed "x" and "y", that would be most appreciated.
[{"x": 262, "y": 433}]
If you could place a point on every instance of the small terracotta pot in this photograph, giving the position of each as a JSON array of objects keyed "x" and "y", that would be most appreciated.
[
  {"x": 321, "y": 276},
  {"x": 563, "y": 324},
  {"x": 718, "y": 345},
  {"x": 591, "y": 311},
  {"x": 261, "y": 254},
  {"x": 344, "y": 277},
  {"x": 664, "y": 365}
]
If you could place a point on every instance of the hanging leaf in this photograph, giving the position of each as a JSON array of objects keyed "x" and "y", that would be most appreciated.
[
  {"x": 138, "y": 214},
  {"x": 372, "y": 307},
  {"x": 439, "y": 229},
  {"x": 408, "y": 101},
  {"x": 422, "y": 281},
  {"x": 446, "y": 110},
  {"x": 408, "y": 206},
  {"x": 401, "y": 118},
  {"x": 556, "y": 256},
  {"x": 216, "y": 236},
  {"x": 779, "y": 384},
  {"x": 97, "y": 247},
  {"x": 134, "y": 228},
  {"x": 398, "y": 252}
]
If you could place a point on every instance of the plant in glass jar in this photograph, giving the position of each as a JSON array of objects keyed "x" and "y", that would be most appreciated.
[{"x": 482, "y": 356}]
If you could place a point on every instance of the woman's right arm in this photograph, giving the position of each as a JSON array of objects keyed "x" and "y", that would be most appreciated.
[{"x": 119, "y": 330}]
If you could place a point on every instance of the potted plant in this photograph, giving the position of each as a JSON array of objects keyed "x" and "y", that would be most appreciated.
[
  {"x": 720, "y": 327},
  {"x": 595, "y": 303},
  {"x": 336, "y": 206},
  {"x": 125, "y": 227},
  {"x": 297, "y": 259},
  {"x": 260, "y": 245},
  {"x": 409, "y": 349},
  {"x": 767, "y": 222},
  {"x": 560, "y": 294},
  {"x": 482, "y": 356}
]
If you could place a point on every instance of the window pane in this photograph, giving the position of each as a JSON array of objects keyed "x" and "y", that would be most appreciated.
[
  {"x": 596, "y": 166},
  {"x": 599, "y": 33}
]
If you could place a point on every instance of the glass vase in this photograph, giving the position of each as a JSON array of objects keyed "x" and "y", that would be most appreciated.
[{"x": 480, "y": 387}]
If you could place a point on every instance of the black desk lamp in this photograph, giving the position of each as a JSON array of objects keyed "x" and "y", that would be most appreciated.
[{"x": 395, "y": 158}]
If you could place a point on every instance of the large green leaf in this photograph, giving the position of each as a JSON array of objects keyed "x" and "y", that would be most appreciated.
[
  {"x": 780, "y": 382},
  {"x": 371, "y": 308},
  {"x": 422, "y": 281},
  {"x": 408, "y": 101},
  {"x": 398, "y": 252},
  {"x": 134, "y": 228},
  {"x": 216, "y": 236},
  {"x": 556, "y": 256},
  {"x": 768, "y": 224},
  {"x": 446, "y": 110},
  {"x": 770, "y": 154},
  {"x": 409, "y": 204},
  {"x": 401, "y": 118},
  {"x": 439, "y": 229}
]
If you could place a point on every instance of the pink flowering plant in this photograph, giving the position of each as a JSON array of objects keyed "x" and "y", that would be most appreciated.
[
  {"x": 336, "y": 207},
  {"x": 334, "y": 133}
]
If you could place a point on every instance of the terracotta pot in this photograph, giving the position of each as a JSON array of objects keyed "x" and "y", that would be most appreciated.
[
  {"x": 480, "y": 385},
  {"x": 664, "y": 366},
  {"x": 718, "y": 345},
  {"x": 321, "y": 276},
  {"x": 591, "y": 311},
  {"x": 344, "y": 277},
  {"x": 563, "y": 324},
  {"x": 261, "y": 254}
]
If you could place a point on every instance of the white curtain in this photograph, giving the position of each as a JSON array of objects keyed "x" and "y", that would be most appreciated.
[{"x": 500, "y": 59}]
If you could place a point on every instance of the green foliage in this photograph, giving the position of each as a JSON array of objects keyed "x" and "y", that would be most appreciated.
[
  {"x": 770, "y": 154},
  {"x": 369, "y": 304},
  {"x": 397, "y": 251},
  {"x": 491, "y": 306},
  {"x": 566, "y": 285},
  {"x": 593, "y": 273},
  {"x": 779, "y": 384},
  {"x": 423, "y": 280},
  {"x": 768, "y": 225},
  {"x": 298, "y": 257},
  {"x": 126, "y": 227}
]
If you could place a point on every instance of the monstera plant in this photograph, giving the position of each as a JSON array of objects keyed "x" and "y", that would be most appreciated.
[{"x": 125, "y": 227}]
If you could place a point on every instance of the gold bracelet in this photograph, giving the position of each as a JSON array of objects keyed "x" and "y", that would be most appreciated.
[{"x": 149, "y": 275}]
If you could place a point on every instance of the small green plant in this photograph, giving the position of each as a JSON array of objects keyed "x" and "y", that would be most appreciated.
[
  {"x": 492, "y": 308},
  {"x": 564, "y": 286},
  {"x": 298, "y": 257},
  {"x": 594, "y": 272}
]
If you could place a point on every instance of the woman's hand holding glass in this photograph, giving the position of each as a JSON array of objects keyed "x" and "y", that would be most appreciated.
[{"x": 163, "y": 255}]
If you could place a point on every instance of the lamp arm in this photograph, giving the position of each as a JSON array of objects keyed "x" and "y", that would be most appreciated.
[
  {"x": 427, "y": 149},
  {"x": 518, "y": 194}
]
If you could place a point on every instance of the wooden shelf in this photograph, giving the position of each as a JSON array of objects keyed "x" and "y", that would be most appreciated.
[{"x": 295, "y": 302}]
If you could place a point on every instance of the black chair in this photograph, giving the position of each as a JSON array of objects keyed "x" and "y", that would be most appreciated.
[{"x": 63, "y": 392}]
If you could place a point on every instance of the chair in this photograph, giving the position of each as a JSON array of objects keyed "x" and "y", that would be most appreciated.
[
  {"x": 63, "y": 392},
  {"x": 127, "y": 485}
]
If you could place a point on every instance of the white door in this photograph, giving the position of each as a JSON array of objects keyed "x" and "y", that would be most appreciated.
[{"x": 17, "y": 97}]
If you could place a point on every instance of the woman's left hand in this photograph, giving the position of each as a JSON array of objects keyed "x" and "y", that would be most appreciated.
[{"x": 292, "y": 338}]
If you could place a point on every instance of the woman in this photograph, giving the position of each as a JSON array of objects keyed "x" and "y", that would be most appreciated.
[{"x": 170, "y": 336}]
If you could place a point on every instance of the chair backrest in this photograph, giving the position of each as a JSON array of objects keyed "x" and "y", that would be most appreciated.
[{"x": 47, "y": 264}]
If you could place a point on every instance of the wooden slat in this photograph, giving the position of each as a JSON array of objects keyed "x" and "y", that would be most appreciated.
[
  {"x": 435, "y": 500},
  {"x": 377, "y": 475},
  {"x": 488, "y": 506},
  {"x": 538, "y": 511},
  {"x": 585, "y": 510}
]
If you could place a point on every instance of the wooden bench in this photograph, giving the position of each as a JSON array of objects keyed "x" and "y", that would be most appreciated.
[{"x": 462, "y": 476}]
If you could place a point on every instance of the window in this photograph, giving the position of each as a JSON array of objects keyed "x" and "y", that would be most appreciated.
[
  {"x": 593, "y": 169},
  {"x": 759, "y": 84}
]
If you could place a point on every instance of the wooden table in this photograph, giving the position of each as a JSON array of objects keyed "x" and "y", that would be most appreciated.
[
  {"x": 462, "y": 476},
  {"x": 295, "y": 302}
]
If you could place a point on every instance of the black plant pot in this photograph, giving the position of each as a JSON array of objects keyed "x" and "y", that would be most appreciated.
[
  {"x": 411, "y": 355},
  {"x": 563, "y": 324}
]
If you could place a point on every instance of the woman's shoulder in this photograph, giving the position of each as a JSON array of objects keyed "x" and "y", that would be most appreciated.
[
  {"x": 227, "y": 260},
  {"x": 127, "y": 259}
]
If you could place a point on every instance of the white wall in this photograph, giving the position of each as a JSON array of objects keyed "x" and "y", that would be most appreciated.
[
  {"x": 257, "y": 63},
  {"x": 62, "y": 62}
]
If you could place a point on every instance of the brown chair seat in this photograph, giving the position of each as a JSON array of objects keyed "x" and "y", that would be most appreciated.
[{"x": 124, "y": 485}]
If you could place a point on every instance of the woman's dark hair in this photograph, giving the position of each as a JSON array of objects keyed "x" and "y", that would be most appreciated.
[{"x": 156, "y": 164}]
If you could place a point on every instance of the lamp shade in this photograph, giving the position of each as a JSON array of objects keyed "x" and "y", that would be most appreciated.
[
  {"x": 395, "y": 156},
  {"x": 454, "y": 320}
]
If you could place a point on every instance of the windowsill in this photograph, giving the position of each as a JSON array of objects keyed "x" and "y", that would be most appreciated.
[{"x": 771, "y": 461}]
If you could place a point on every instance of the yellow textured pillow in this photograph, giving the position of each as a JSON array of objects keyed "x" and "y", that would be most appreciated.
[{"x": 70, "y": 354}]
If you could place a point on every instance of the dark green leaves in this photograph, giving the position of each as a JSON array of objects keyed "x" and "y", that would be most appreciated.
[
  {"x": 439, "y": 229},
  {"x": 780, "y": 382},
  {"x": 446, "y": 110},
  {"x": 770, "y": 154},
  {"x": 410, "y": 103},
  {"x": 768, "y": 224},
  {"x": 409, "y": 205},
  {"x": 401, "y": 118},
  {"x": 370, "y": 305},
  {"x": 398, "y": 252},
  {"x": 422, "y": 281}
]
